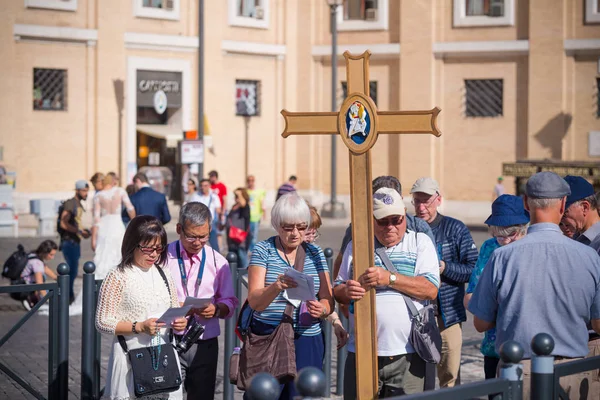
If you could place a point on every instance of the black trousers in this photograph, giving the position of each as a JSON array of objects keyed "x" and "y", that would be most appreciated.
[{"x": 199, "y": 369}]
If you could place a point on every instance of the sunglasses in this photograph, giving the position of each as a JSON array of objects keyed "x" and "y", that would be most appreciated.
[
  {"x": 290, "y": 228},
  {"x": 150, "y": 249},
  {"x": 390, "y": 221}
]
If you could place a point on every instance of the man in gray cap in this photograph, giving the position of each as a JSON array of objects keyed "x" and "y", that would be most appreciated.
[
  {"x": 544, "y": 282},
  {"x": 70, "y": 232}
]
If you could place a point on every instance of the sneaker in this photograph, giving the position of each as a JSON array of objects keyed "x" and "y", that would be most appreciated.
[{"x": 26, "y": 305}]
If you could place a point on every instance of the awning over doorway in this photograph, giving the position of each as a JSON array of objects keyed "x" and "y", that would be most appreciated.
[{"x": 171, "y": 133}]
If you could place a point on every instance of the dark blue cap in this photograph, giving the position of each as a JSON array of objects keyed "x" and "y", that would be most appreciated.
[
  {"x": 508, "y": 210},
  {"x": 580, "y": 189}
]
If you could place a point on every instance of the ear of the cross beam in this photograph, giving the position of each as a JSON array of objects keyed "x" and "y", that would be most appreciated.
[
  {"x": 309, "y": 123},
  {"x": 421, "y": 121},
  {"x": 366, "y": 55}
]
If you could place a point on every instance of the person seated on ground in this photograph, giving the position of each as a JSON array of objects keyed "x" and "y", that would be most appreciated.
[{"x": 36, "y": 271}]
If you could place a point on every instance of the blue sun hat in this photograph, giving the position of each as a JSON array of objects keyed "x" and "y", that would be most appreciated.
[{"x": 508, "y": 210}]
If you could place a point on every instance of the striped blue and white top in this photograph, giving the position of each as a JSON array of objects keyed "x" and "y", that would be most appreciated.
[{"x": 265, "y": 255}]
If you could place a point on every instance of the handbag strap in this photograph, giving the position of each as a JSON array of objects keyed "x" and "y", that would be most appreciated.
[
  {"x": 121, "y": 338},
  {"x": 380, "y": 251}
]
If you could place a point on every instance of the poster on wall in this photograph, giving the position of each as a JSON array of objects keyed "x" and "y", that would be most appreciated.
[
  {"x": 247, "y": 99},
  {"x": 191, "y": 152}
]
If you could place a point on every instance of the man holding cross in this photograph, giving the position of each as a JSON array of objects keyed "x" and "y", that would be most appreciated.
[{"x": 401, "y": 370}]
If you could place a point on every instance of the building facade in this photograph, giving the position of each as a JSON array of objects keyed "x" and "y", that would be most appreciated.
[{"x": 94, "y": 85}]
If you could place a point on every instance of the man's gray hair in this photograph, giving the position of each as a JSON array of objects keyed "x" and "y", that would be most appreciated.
[
  {"x": 542, "y": 203},
  {"x": 508, "y": 230},
  {"x": 195, "y": 213},
  {"x": 290, "y": 209},
  {"x": 593, "y": 200}
]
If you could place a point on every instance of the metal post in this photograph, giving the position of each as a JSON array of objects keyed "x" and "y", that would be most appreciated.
[
  {"x": 62, "y": 373},
  {"x": 52, "y": 344},
  {"x": 333, "y": 211},
  {"x": 201, "y": 81},
  {"x": 542, "y": 367},
  {"x": 230, "y": 331},
  {"x": 97, "y": 348},
  {"x": 327, "y": 331},
  {"x": 88, "y": 331},
  {"x": 511, "y": 354}
]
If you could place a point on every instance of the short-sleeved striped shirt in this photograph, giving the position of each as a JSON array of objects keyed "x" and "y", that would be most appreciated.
[{"x": 265, "y": 255}]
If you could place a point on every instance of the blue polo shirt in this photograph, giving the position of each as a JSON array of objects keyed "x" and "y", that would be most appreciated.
[{"x": 544, "y": 282}]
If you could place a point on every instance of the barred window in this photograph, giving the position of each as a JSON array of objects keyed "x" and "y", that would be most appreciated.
[
  {"x": 490, "y": 8},
  {"x": 49, "y": 89},
  {"x": 360, "y": 10},
  {"x": 372, "y": 91},
  {"x": 484, "y": 97},
  {"x": 247, "y": 98},
  {"x": 163, "y": 4}
]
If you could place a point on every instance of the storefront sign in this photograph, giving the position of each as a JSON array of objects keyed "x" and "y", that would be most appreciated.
[
  {"x": 525, "y": 170},
  {"x": 165, "y": 85},
  {"x": 192, "y": 152}
]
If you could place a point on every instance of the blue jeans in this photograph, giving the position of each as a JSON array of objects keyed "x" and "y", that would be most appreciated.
[
  {"x": 213, "y": 238},
  {"x": 72, "y": 253},
  {"x": 253, "y": 235}
]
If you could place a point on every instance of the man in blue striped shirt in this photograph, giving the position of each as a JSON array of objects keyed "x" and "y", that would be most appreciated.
[
  {"x": 401, "y": 370},
  {"x": 458, "y": 254}
]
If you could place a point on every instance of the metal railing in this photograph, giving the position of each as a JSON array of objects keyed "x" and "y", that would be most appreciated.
[
  {"x": 90, "y": 337},
  {"x": 57, "y": 297}
]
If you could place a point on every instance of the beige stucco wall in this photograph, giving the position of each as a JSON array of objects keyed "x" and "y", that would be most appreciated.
[{"x": 548, "y": 95}]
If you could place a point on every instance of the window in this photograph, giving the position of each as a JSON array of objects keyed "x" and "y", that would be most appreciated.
[
  {"x": 592, "y": 11},
  {"x": 372, "y": 91},
  {"x": 484, "y": 13},
  {"x": 363, "y": 15},
  {"x": 64, "y": 5},
  {"x": 484, "y": 97},
  {"x": 598, "y": 97},
  {"x": 160, "y": 9},
  {"x": 249, "y": 13},
  {"x": 50, "y": 89},
  {"x": 247, "y": 98}
]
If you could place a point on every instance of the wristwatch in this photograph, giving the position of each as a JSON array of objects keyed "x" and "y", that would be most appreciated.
[
  {"x": 393, "y": 278},
  {"x": 133, "y": 327},
  {"x": 217, "y": 313}
]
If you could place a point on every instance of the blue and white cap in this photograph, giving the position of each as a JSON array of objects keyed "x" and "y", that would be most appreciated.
[{"x": 387, "y": 202}]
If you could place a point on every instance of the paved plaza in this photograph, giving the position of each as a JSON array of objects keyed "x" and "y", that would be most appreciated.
[{"x": 26, "y": 351}]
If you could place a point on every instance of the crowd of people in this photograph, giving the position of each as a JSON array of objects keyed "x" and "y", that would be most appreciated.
[{"x": 539, "y": 272}]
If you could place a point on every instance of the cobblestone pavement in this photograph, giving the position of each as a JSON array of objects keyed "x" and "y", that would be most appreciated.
[{"x": 26, "y": 352}]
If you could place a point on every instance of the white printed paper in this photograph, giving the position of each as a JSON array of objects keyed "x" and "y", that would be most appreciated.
[
  {"x": 196, "y": 302},
  {"x": 174, "y": 313},
  {"x": 305, "y": 290}
]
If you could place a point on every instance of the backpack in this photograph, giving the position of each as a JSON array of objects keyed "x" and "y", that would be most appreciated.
[
  {"x": 61, "y": 208},
  {"x": 16, "y": 263}
]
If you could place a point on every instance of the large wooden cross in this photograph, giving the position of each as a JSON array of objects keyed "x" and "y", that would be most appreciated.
[{"x": 358, "y": 123}]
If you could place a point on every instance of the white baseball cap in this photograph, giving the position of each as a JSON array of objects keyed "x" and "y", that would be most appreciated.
[
  {"x": 387, "y": 202},
  {"x": 426, "y": 185}
]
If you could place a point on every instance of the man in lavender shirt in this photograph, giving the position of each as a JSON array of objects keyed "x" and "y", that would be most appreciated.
[{"x": 199, "y": 271}]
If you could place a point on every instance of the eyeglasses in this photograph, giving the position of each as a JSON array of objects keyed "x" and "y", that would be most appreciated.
[
  {"x": 417, "y": 203},
  {"x": 312, "y": 234},
  {"x": 390, "y": 221},
  {"x": 290, "y": 228},
  {"x": 192, "y": 239},
  {"x": 150, "y": 249},
  {"x": 504, "y": 240}
]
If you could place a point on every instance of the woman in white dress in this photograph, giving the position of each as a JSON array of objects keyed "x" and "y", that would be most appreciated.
[
  {"x": 107, "y": 232},
  {"x": 131, "y": 298}
]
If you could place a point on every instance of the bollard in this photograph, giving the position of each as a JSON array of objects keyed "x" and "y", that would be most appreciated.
[
  {"x": 62, "y": 373},
  {"x": 311, "y": 383},
  {"x": 511, "y": 354},
  {"x": 97, "y": 349},
  {"x": 263, "y": 386},
  {"x": 542, "y": 367},
  {"x": 327, "y": 330},
  {"x": 230, "y": 330},
  {"x": 88, "y": 330}
]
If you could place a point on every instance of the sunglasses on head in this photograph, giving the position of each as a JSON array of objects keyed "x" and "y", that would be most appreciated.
[
  {"x": 150, "y": 249},
  {"x": 291, "y": 227},
  {"x": 390, "y": 221}
]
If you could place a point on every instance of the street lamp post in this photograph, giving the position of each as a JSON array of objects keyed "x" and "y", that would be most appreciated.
[{"x": 333, "y": 209}]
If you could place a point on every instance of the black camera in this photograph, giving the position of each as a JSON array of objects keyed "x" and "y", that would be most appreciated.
[{"x": 193, "y": 331}]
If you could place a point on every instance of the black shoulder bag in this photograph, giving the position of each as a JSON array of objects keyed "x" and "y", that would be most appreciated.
[
  {"x": 425, "y": 335},
  {"x": 154, "y": 368}
]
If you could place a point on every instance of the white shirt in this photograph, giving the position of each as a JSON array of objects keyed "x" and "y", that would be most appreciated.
[
  {"x": 393, "y": 321},
  {"x": 210, "y": 200}
]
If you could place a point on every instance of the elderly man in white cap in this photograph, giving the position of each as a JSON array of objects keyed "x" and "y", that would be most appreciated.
[{"x": 413, "y": 255}]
